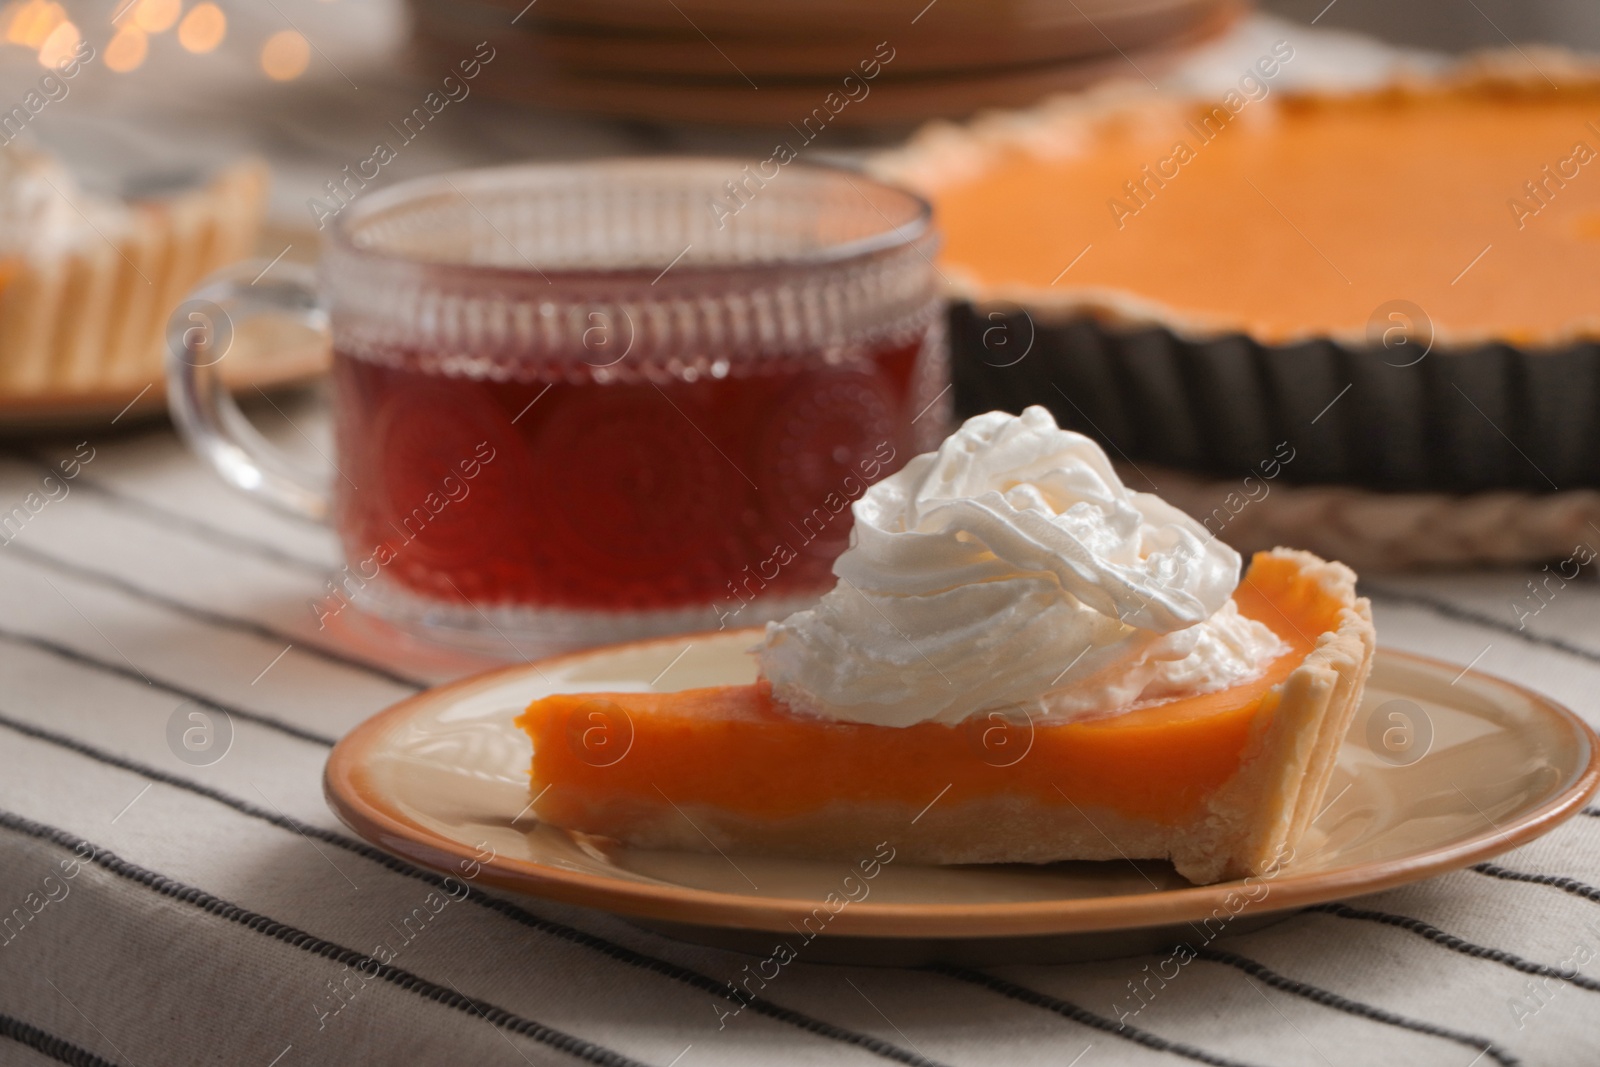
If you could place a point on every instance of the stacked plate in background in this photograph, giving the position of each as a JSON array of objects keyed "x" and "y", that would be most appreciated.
[{"x": 731, "y": 61}]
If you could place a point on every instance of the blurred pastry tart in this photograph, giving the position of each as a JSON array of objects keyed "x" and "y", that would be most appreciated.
[
  {"x": 1395, "y": 281},
  {"x": 1024, "y": 662},
  {"x": 87, "y": 282}
]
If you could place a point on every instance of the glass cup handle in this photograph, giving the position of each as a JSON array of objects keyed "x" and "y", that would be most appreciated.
[{"x": 199, "y": 334}]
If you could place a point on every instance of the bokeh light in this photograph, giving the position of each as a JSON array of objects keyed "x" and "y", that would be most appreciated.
[
  {"x": 285, "y": 56},
  {"x": 59, "y": 46},
  {"x": 156, "y": 16},
  {"x": 126, "y": 49},
  {"x": 28, "y": 24},
  {"x": 203, "y": 28}
]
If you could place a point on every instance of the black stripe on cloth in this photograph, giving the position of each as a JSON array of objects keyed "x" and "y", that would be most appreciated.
[
  {"x": 1457, "y": 944},
  {"x": 199, "y": 899},
  {"x": 121, "y": 670},
  {"x": 1593, "y": 813},
  {"x": 594, "y": 942},
  {"x": 1330, "y": 999},
  {"x": 56, "y": 1048},
  {"x": 160, "y": 516},
  {"x": 1069, "y": 1010},
  {"x": 1570, "y": 885},
  {"x": 206, "y": 615},
  {"x": 1459, "y": 614}
]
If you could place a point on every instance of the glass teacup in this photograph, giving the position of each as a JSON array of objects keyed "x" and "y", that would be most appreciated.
[{"x": 588, "y": 402}]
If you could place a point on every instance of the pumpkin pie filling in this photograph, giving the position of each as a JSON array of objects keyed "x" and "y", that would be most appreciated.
[
  {"x": 738, "y": 749},
  {"x": 1294, "y": 217}
]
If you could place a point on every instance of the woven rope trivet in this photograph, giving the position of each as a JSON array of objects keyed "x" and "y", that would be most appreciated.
[{"x": 1373, "y": 531}]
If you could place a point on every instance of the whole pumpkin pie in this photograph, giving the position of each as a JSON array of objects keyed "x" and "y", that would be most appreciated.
[
  {"x": 1203, "y": 277},
  {"x": 1023, "y": 661}
]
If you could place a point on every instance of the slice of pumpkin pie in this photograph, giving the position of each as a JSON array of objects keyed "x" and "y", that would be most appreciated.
[{"x": 1023, "y": 661}]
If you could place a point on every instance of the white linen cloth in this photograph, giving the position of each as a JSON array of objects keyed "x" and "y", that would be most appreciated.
[{"x": 221, "y": 906}]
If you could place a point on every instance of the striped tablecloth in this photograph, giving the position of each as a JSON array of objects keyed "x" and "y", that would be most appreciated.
[{"x": 159, "y": 912}]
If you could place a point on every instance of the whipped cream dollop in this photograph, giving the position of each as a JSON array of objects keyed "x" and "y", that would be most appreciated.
[
  {"x": 40, "y": 206},
  {"x": 1012, "y": 569}
]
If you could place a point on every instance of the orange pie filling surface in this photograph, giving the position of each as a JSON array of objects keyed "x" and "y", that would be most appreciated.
[
  {"x": 1298, "y": 216},
  {"x": 734, "y": 748}
]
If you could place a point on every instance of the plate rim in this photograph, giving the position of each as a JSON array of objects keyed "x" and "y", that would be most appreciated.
[
  {"x": 357, "y": 802},
  {"x": 293, "y": 366}
]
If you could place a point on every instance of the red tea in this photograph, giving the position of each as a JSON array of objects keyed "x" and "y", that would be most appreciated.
[{"x": 622, "y": 495}]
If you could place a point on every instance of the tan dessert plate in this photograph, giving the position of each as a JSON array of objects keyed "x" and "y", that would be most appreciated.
[
  {"x": 267, "y": 355},
  {"x": 1442, "y": 768}
]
